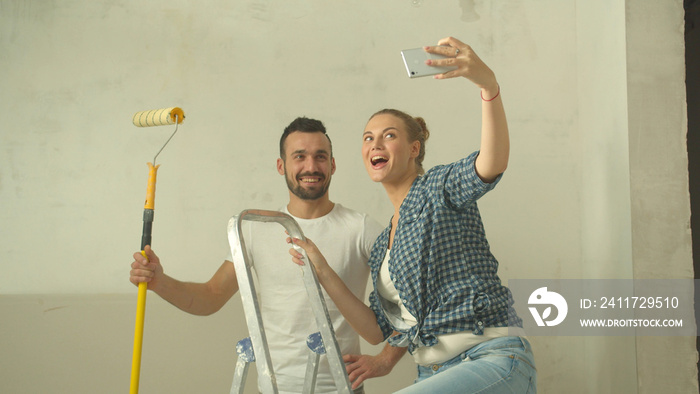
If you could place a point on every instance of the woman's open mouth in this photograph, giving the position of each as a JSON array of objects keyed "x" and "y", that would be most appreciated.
[{"x": 378, "y": 161}]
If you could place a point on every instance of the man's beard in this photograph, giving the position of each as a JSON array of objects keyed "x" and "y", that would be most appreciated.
[{"x": 305, "y": 194}]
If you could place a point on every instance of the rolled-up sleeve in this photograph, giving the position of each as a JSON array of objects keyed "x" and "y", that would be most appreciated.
[{"x": 461, "y": 184}]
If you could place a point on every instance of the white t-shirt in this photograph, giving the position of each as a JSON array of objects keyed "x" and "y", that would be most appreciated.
[{"x": 345, "y": 238}]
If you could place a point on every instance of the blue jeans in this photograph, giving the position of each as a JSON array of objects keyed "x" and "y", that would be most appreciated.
[{"x": 501, "y": 365}]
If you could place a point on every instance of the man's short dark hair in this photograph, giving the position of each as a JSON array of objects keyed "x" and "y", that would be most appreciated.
[{"x": 305, "y": 125}]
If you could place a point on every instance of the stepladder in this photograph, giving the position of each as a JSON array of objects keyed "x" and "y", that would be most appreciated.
[{"x": 255, "y": 348}]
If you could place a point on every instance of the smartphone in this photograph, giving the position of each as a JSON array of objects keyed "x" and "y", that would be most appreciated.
[{"x": 414, "y": 59}]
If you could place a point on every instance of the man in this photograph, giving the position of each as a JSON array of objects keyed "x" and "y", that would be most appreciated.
[{"x": 345, "y": 236}]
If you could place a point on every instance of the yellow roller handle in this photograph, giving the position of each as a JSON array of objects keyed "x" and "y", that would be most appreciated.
[
  {"x": 138, "y": 337},
  {"x": 151, "y": 188},
  {"x": 143, "y": 286}
]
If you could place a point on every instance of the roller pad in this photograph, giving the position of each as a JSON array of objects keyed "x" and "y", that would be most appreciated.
[{"x": 158, "y": 117}]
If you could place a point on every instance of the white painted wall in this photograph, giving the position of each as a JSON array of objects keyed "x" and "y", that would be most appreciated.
[{"x": 73, "y": 167}]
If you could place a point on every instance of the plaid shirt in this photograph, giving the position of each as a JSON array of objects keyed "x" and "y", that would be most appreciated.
[{"x": 440, "y": 261}]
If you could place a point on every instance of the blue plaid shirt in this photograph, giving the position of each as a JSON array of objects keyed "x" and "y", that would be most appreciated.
[{"x": 440, "y": 261}]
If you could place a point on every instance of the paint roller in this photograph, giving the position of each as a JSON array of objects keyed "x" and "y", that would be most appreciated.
[{"x": 157, "y": 117}]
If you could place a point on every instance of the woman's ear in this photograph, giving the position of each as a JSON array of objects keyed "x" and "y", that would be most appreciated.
[{"x": 415, "y": 149}]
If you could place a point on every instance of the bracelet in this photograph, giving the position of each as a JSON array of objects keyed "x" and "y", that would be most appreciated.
[{"x": 494, "y": 97}]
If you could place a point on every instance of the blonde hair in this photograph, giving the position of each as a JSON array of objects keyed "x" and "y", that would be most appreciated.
[{"x": 417, "y": 131}]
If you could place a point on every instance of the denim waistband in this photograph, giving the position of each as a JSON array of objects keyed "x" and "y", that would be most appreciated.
[{"x": 492, "y": 344}]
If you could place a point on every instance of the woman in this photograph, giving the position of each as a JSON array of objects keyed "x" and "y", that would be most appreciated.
[{"x": 435, "y": 282}]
